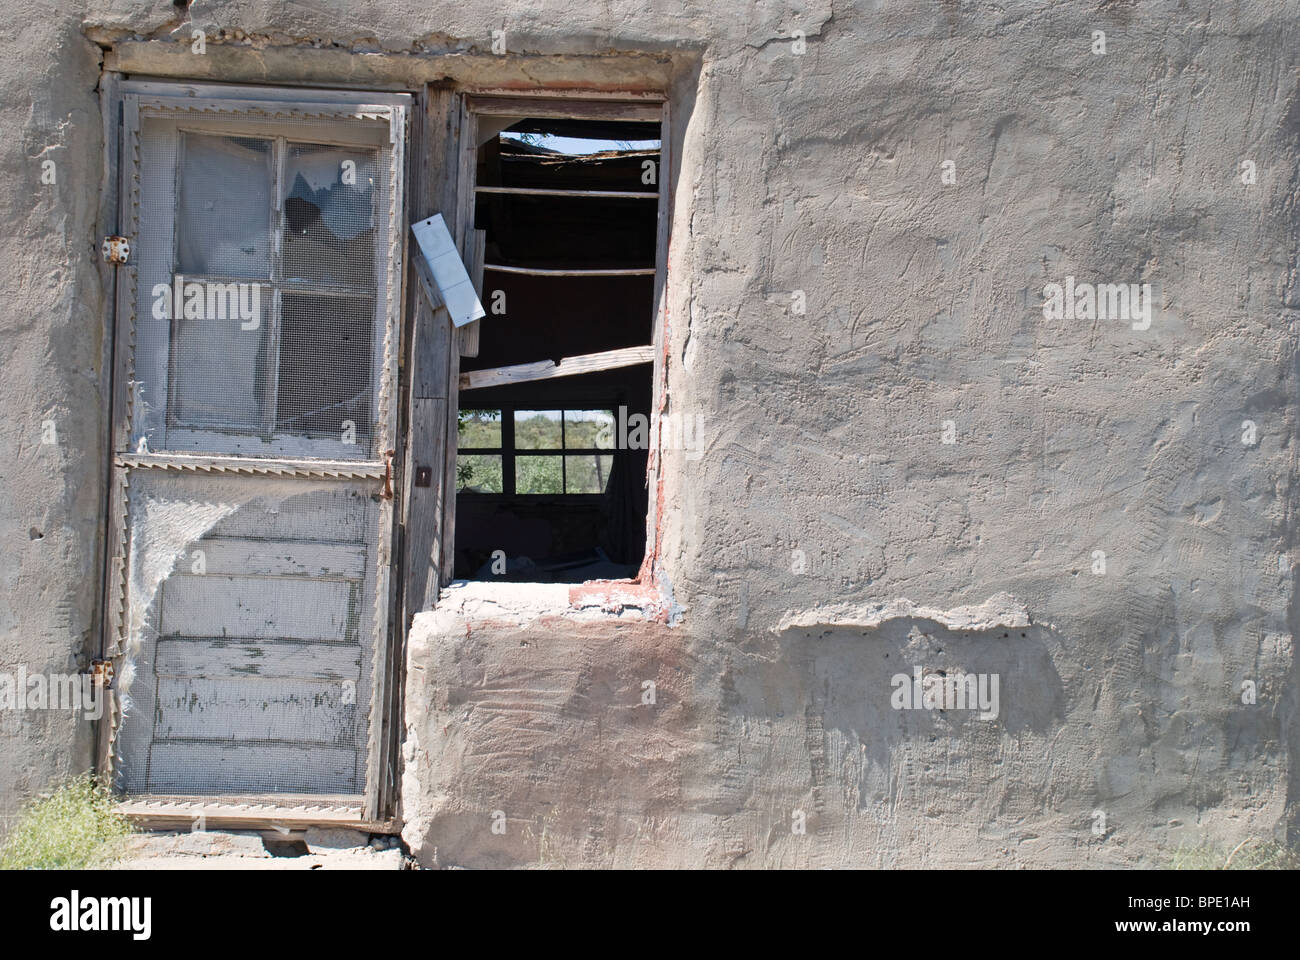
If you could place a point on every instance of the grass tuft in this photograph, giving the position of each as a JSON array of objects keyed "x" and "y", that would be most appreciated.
[
  {"x": 74, "y": 826},
  {"x": 1253, "y": 853}
]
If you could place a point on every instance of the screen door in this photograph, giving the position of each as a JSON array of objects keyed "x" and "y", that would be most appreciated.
[{"x": 254, "y": 421}]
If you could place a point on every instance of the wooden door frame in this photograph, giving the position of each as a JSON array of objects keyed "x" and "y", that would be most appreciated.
[{"x": 447, "y": 186}]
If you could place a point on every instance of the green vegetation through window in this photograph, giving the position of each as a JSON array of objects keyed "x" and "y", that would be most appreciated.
[{"x": 534, "y": 452}]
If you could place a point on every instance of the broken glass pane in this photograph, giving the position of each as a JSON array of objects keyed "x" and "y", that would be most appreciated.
[{"x": 329, "y": 216}]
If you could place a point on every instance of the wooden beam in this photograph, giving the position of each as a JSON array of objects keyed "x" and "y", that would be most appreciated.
[
  {"x": 545, "y": 109},
  {"x": 537, "y": 272},
  {"x": 547, "y": 369},
  {"x": 538, "y": 192},
  {"x": 433, "y": 347},
  {"x": 425, "y": 505},
  {"x": 470, "y": 333}
]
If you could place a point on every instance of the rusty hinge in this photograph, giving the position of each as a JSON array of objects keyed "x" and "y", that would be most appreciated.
[
  {"x": 101, "y": 672},
  {"x": 388, "y": 474},
  {"x": 116, "y": 249}
]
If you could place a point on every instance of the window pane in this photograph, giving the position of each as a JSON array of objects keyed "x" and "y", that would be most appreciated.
[
  {"x": 219, "y": 371},
  {"x": 538, "y": 474},
  {"x": 537, "y": 430},
  {"x": 589, "y": 429},
  {"x": 479, "y": 428},
  {"x": 329, "y": 214},
  {"x": 223, "y": 222},
  {"x": 587, "y": 473},
  {"x": 325, "y": 363},
  {"x": 478, "y": 472}
]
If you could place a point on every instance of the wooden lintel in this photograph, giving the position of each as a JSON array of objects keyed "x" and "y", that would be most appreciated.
[
  {"x": 547, "y": 369},
  {"x": 539, "y": 192},
  {"x": 548, "y": 108},
  {"x": 539, "y": 272}
]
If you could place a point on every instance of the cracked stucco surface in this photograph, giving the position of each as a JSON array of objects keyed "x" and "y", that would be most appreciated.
[{"x": 818, "y": 173}]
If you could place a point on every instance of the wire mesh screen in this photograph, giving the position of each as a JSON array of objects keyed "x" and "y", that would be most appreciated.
[
  {"x": 262, "y": 296},
  {"x": 250, "y": 637}
]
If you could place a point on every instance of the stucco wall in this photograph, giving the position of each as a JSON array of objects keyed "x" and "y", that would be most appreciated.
[
  {"x": 54, "y": 428},
  {"x": 822, "y": 172}
]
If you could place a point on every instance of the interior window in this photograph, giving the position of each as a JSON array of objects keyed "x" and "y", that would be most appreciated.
[{"x": 551, "y": 452}]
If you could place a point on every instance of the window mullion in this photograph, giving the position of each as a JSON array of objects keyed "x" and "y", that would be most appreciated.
[
  {"x": 272, "y": 373},
  {"x": 508, "y": 451}
]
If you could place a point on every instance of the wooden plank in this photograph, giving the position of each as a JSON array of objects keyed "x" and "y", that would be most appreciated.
[
  {"x": 172, "y": 88},
  {"x": 546, "y": 369},
  {"x": 428, "y": 435},
  {"x": 220, "y": 658},
  {"x": 189, "y": 767},
  {"x": 432, "y": 337},
  {"x": 110, "y": 105},
  {"x": 305, "y": 712},
  {"x": 346, "y": 106},
  {"x": 564, "y": 109},
  {"x": 471, "y": 332},
  {"x": 444, "y": 153},
  {"x": 273, "y": 609},
  {"x": 461, "y": 229},
  {"x": 278, "y": 558},
  {"x": 539, "y": 272},
  {"x": 126, "y": 222},
  {"x": 539, "y": 192},
  {"x": 252, "y": 813},
  {"x": 321, "y": 513}
]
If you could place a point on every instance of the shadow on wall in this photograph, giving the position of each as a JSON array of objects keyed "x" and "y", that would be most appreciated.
[{"x": 916, "y": 678}]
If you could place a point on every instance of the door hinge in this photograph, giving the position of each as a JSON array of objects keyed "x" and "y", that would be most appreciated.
[{"x": 116, "y": 249}]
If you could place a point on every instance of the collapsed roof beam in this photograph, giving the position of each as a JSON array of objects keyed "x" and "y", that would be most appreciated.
[{"x": 549, "y": 369}]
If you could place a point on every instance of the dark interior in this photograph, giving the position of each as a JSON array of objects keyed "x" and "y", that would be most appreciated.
[{"x": 561, "y": 536}]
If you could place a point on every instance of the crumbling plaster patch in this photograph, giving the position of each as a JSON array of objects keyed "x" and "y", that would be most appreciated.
[{"x": 1001, "y": 610}]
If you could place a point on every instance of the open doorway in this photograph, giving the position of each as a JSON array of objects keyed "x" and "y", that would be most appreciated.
[{"x": 552, "y": 443}]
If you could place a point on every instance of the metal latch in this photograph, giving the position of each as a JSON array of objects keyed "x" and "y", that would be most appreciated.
[
  {"x": 101, "y": 673},
  {"x": 116, "y": 249},
  {"x": 388, "y": 474}
]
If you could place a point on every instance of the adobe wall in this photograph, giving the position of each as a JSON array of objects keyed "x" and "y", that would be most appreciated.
[{"x": 825, "y": 495}]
